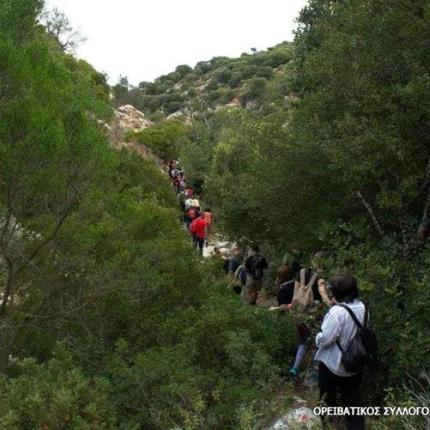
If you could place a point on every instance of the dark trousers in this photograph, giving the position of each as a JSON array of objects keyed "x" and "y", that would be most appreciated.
[
  {"x": 349, "y": 388},
  {"x": 200, "y": 243}
]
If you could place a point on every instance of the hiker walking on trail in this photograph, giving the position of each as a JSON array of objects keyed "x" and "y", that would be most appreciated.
[
  {"x": 309, "y": 288},
  {"x": 198, "y": 231},
  {"x": 182, "y": 197},
  {"x": 337, "y": 331},
  {"x": 179, "y": 182},
  {"x": 285, "y": 282},
  {"x": 255, "y": 265},
  {"x": 190, "y": 215},
  {"x": 172, "y": 166}
]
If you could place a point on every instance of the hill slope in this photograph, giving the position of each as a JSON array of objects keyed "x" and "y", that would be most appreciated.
[{"x": 248, "y": 81}]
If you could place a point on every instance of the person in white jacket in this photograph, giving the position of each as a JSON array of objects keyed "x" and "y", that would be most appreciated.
[{"x": 339, "y": 328}]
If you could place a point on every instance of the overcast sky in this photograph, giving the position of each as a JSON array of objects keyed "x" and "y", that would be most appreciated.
[{"x": 144, "y": 39}]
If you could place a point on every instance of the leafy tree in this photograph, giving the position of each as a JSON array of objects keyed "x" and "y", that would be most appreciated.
[
  {"x": 120, "y": 91},
  {"x": 58, "y": 25},
  {"x": 50, "y": 150},
  {"x": 165, "y": 138},
  {"x": 368, "y": 122},
  {"x": 183, "y": 70}
]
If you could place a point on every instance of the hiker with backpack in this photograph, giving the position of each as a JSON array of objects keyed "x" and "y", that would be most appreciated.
[
  {"x": 345, "y": 344},
  {"x": 198, "y": 230},
  {"x": 286, "y": 283},
  {"x": 190, "y": 215},
  {"x": 309, "y": 289},
  {"x": 255, "y": 265}
]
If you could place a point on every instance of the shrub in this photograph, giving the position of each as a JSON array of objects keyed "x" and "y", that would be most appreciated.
[
  {"x": 222, "y": 75},
  {"x": 54, "y": 395},
  {"x": 265, "y": 72},
  {"x": 254, "y": 90},
  {"x": 236, "y": 79}
]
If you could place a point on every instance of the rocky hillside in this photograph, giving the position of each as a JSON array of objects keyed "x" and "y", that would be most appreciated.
[{"x": 252, "y": 81}]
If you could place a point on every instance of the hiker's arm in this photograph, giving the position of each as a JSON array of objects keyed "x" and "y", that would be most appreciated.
[
  {"x": 330, "y": 331},
  {"x": 322, "y": 289}
]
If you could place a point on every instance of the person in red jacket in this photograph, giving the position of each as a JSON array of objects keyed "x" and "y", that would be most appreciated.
[{"x": 198, "y": 229}]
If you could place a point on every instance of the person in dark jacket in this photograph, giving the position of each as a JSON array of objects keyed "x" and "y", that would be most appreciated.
[
  {"x": 255, "y": 265},
  {"x": 285, "y": 282}
]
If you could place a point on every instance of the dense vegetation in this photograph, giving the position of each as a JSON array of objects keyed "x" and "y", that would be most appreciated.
[
  {"x": 108, "y": 319},
  {"x": 338, "y": 161}
]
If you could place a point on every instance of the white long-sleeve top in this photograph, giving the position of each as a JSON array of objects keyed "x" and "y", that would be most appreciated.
[{"x": 337, "y": 326}]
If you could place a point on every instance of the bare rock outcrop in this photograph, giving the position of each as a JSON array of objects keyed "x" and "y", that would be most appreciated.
[{"x": 128, "y": 118}]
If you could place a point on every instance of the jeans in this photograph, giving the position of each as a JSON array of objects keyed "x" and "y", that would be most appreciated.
[{"x": 302, "y": 349}]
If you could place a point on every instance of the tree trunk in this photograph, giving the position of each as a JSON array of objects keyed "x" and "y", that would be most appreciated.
[
  {"x": 427, "y": 201},
  {"x": 371, "y": 213}
]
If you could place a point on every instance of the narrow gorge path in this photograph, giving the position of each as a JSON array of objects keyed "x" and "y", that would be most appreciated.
[{"x": 293, "y": 400}]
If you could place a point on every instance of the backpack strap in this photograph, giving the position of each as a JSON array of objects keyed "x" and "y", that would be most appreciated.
[
  {"x": 354, "y": 318},
  {"x": 303, "y": 277},
  {"x": 312, "y": 280}
]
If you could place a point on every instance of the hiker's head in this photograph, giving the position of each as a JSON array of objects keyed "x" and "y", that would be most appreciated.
[
  {"x": 318, "y": 260},
  {"x": 344, "y": 288},
  {"x": 255, "y": 248},
  {"x": 284, "y": 274}
]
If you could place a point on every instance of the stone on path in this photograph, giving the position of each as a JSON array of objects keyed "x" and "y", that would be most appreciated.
[{"x": 301, "y": 418}]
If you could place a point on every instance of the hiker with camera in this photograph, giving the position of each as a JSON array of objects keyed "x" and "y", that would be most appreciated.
[{"x": 345, "y": 345}]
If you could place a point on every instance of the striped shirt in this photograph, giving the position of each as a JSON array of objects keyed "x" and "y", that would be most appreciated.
[{"x": 337, "y": 326}]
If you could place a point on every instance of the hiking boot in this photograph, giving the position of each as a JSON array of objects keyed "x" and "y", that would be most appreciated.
[{"x": 294, "y": 372}]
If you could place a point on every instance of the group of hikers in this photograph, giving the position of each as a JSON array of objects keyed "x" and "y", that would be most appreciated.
[
  {"x": 341, "y": 345},
  {"x": 343, "y": 342},
  {"x": 197, "y": 221}
]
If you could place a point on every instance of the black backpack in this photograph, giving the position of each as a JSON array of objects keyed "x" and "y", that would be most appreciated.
[
  {"x": 363, "y": 347},
  {"x": 254, "y": 266}
]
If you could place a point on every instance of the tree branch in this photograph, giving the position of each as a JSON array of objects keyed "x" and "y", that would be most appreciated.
[
  {"x": 9, "y": 285},
  {"x": 427, "y": 202},
  {"x": 371, "y": 212}
]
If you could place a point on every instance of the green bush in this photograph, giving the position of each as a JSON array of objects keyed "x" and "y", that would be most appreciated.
[
  {"x": 164, "y": 138},
  {"x": 254, "y": 89},
  {"x": 222, "y": 75},
  {"x": 221, "y": 96},
  {"x": 54, "y": 395}
]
